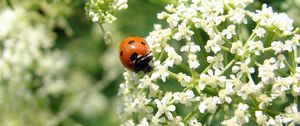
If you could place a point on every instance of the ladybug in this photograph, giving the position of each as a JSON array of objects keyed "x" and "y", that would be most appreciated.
[{"x": 135, "y": 54}]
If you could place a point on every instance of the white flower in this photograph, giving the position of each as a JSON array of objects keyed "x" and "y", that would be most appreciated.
[
  {"x": 232, "y": 86},
  {"x": 109, "y": 18},
  {"x": 267, "y": 18},
  {"x": 277, "y": 46},
  {"x": 164, "y": 106},
  {"x": 160, "y": 71},
  {"x": 237, "y": 16},
  {"x": 95, "y": 17},
  {"x": 217, "y": 61},
  {"x": 266, "y": 71},
  {"x": 193, "y": 61},
  {"x": 173, "y": 20},
  {"x": 100, "y": 11},
  {"x": 173, "y": 57},
  {"x": 128, "y": 123},
  {"x": 237, "y": 48},
  {"x": 288, "y": 45},
  {"x": 223, "y": 94},
  {"x": 198, "y": 22},
  {"x": 212, "y": 78},
  {"x": 264, "y": 101},
  {"x": 158, "y": 38},
  {"x": 294, "y": 113},
  {"x": 209, "y": 104},
  {"x": 170, "y": 8},
  {"x": 260, "y": 32},
  {"x": 194, "y": 122},
  {"x": 146, "y": 82},
  {"x": 183, "y": 32},
  {"x": 281, "y": 86},
  {"x": 183, "y": 79},
  {"x": 240, "y": 113},
  {"x": 162, "y": 15},
  {"x": 260, "y": 118},
  {"x": 120, "y": 5},
  {"x": 243, "y": 68},
  {"x": 184, "y": 97},
  {"x": 229, "y": 32},
  {"x": 214, "y": 44},
  {"x": 255, "y": 47},
  {"x": 144, "y": 122},
  {"x": 178, "y": 121},
  {"x": 190, "y": 47},
  {"x": 245, "y": 90}
]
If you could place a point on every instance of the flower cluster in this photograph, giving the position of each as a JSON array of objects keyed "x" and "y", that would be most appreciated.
[
  {"x": 213, "y": 67},
  {"x": 34, "y": 75},
  {"x": 103, "y": 11}
]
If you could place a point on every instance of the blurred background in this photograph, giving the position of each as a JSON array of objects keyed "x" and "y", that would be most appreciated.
[{"x": 56, "y": 69}]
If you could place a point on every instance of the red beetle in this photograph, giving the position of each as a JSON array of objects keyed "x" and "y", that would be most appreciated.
[{"x": 135, "y": 54}]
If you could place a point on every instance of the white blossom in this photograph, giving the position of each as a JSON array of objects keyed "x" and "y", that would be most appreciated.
[
  {"x": 239, "y": 73},
  {"x": 184, "y": 97},
  {"x": 160, "y": 71},
  {"x": 190, "y": 47},
  {"x": 256, "y": 47},
  {"x": 183, "y": 79},
  {"x": 266, "y": 71},
  {"x": 193, "y": 61},
  {"x": 229, "y": 32},
  {"x": 183, "y": 32},
  {"x": 100, "y": 11},
  {"x": 260, "y": 32},
  {"x": 261, "y": 118},
  {"x": 242, "y": 68},
  {"x": 209, "y": 105},
  {"x": 237, "y": 48},
  {"x": 214, "y": 44}
]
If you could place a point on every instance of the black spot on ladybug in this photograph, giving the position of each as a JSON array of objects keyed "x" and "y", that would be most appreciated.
[
  {"x": 133, "y": 56},
  {"x": 130, "y": 42},
  {"x": 143, "y": 43},
  {"x": 121, "y": 53}
]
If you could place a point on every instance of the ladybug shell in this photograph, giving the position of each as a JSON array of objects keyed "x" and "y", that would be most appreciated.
[{"x": 132, "y": 46}]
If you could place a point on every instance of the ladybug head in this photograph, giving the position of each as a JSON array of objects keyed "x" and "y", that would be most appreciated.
[{"x": 142, "y": 63}]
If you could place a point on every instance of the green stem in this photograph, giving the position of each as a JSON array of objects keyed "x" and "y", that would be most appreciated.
[
  {"x": 295, "y": 57},
  {"x": 289, "y": 66},
  {"x": 272, "y": 111},
  {"x": 210, "y": 91},
  {"x": 200, "y": 41},
  {"x": 161, "y": 55},
  {"x": 293, "y": 61},
  {"x": 269, "y": 39},
  {"x": 101, "y": 27},
  {"x": 173, "y": 75},
  {"x": 228, "y": 65},
  {"x": 10, "y": 4},
  {"x": 225, "y": 48},
  {"x": 195, "y": 110},
  {"x": 208, "y": 67},
  {"x": 267, "y": 49},
  {"x": 281, "y": 73},
  {"x": 212, "y": 116},
  {"x": 240, "y": 31},
  {"x": 258, "y": 64}
]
